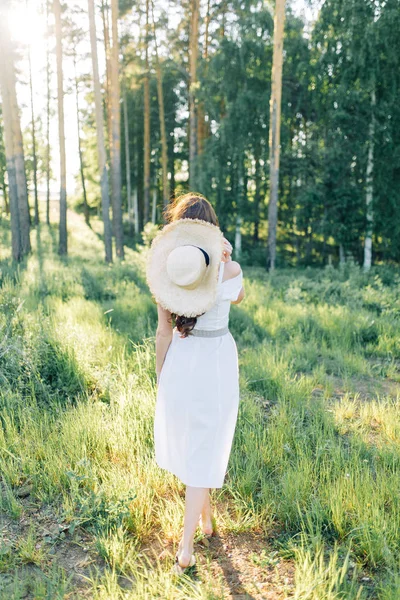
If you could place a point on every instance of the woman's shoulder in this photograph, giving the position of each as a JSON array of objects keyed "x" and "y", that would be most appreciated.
[{"x": 231, "y": 269}]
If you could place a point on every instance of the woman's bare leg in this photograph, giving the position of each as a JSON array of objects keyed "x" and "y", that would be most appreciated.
[
  {"x": 206, "y": 522},
  {"x": 194, "y": 501}
]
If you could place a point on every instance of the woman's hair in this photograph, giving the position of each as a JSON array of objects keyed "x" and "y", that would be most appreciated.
[{"x": 189, "y": 206}]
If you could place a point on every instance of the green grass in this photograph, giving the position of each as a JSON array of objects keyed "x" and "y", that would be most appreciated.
[{"x": 316, "y": 455}]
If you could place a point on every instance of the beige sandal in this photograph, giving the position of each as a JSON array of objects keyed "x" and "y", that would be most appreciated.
[{"x": 178, "y": 570}]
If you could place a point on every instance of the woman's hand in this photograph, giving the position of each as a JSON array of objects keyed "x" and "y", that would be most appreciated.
[{"x": 227, "y": 251}]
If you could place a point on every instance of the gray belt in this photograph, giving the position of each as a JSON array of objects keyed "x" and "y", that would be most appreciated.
[{"x": 209, "y": 333}]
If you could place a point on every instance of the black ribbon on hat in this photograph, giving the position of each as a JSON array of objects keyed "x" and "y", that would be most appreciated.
[{"x": 206, "y": 256}]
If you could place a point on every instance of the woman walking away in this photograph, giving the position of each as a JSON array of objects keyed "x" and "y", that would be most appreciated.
[{"x": 194, "y": 281}]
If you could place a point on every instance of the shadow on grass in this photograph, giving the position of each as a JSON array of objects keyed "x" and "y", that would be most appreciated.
[{"x": 232, "y": 575}]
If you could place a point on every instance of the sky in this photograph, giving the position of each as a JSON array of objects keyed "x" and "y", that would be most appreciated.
[{"x": 28, "y": 29}]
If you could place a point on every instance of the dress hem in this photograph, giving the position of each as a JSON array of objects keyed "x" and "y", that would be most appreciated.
[{"x": 208, "y": 485}]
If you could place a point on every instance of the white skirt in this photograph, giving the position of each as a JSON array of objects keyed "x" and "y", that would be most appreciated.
[{"x": 196, "y": 408}]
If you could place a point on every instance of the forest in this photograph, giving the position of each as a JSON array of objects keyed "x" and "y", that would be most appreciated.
[
  {"x": 176, "y": 97},
  {"x": 285, "y": 116}
]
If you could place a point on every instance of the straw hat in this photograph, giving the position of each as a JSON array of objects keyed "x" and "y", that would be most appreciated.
[{"x": 182, "y": 266}]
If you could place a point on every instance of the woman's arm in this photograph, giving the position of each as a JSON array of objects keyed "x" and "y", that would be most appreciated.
[
  {"x": 239, "y": 298},
  {"x": 232, "y": 269},
  {"x": 163, "y": 337}
]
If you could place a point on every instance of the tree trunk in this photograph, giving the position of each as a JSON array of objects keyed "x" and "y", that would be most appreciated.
[
  {"x": 370, "y": 188},
  {"x": 101, "y": 148},
  {"x": 193, "y": 53},
  {"x": 3, "y": 184},
  {"x": 154, "y": 211},
  {"x": 47, "y": 118},
  {"x": 171, "y": 158},
  {"x": 146, "y": 149},
  {"x": 342, "y": 255},
  {"x": 274, "y": 129},
  {"x": 239, "y": 206},
  {"x": 128, "y": 163},
  {"x": 19, "y": 161},
  {"x": 224, "y": 10},
  {"x": 116, "y": 136},
  {"x": 9, "y": 147},
  {"x": 203, "y": 130},
  {"x": 81, "y": 164},
  {"x": 107, "y": 51},
  {"x": 257, "y": 195},
  {"x": 5, "y": 197},
  {"x": 136, "y": 210},
  {"x": 163, "y": 134},
  {"x": 63, "y": 240},
  {"x": 34, "y": 155}
]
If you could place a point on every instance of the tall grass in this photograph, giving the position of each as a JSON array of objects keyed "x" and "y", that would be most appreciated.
[{"x": 312, "y": 460}]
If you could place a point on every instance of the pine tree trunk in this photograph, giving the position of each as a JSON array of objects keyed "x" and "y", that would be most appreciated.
[
  {"x": 47, "y": 119},
  {"x": 81, "y": 163},
  {"x": 203, "y": 130},
  {"x": 34, "y": 155},
  {"x": 274, "y": 129},
  {"x": 9, "y": 147},
  {"x": 101, "y": 148},
  {"x": 146, "y": 124},
  {"x": 63, "y": 240},
  {"x": 370, "y": 188},
  {"x": 163, "y": 134},
  {"x": 194, "y": 48}
]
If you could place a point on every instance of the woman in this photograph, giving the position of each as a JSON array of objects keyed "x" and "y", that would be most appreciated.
[{"x": 194, "y": 280}]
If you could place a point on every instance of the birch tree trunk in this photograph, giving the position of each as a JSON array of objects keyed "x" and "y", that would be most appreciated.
[
  {"x": 370, "y": 188},
  {"x": 81, "y": 163},
  {"x": 274, "y": 129},
  {"x": 163, "y": 134},
  {"x": 63, "y": 240},
  {"x": 34, "y": 155},
  {"x": 239, "y": 207},
  {"x": 136, "y": 210},
  {"x": 107, "y": 52},
  {"x": 146, "y": 124},
  {"x": 101, "y": 148},
  {"x": 154, "y": 210},
  {"x": 15, "y": 150},
  {"x": 194, "y": 48},
  {"x": 116, "y": 136},
  {"x": 342, "y": 255},
  {"x": 47, "y": 118},
  {"x": 257, "y": 195},
  {"x": 19, "y": 159}
]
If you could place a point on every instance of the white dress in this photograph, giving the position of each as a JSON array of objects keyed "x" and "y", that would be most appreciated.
[{"x": 198, "y": 397}]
